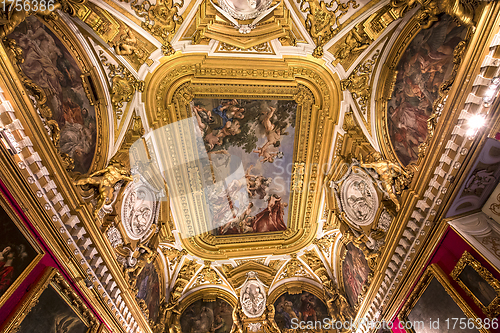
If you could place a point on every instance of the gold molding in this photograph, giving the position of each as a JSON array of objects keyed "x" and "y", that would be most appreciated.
[
  {"x": 178, "y": 80},
  {"x": 492, "y": 309},
  {"x": 211, "y": 25},
  {"x": 51, "y": 278},
  {"x": 16, "y": 219}
]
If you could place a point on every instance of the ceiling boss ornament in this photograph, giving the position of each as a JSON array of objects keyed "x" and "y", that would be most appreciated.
[{"x": 243, "y": 10}]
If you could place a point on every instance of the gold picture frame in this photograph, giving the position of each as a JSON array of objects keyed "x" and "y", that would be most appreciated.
[
  {"x": 492, "y": 309},
  {"x": 77, "y": 312},
  {"x": 431, "y": 274},
  {"x": 29, "y": 239}
]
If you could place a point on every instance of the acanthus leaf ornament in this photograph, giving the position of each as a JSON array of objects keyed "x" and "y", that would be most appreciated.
[
  {"x": 358, "y": 82},
  {"x": 323, "y": 20},
  {"x": 124, "y": 84}
]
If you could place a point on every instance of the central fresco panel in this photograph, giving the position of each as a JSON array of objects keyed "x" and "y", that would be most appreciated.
[{"x": 250, "y": 146}]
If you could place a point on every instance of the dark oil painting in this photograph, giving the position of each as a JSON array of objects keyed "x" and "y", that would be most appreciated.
[
  {"x": 52, "y": 314},
  {"x": 148, "y": 286},
  {"x": 301, "y": 307},
  {"x": 250, "y": 145},
  {"x": 355, "y": 272},
  {"x": 425, "y": 65},
  {"x": 203, "y": 317},
  {"x": 49, "y": 65},
  {"x": 16, "y": 253}
]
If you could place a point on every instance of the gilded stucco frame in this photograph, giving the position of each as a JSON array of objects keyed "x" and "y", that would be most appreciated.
[
  {"x": 51, "y": 278},
  {"x": 491, "y": 310},
  {"x": 387, "y": 80},
  {"x": 14, "y": 217},
  {"x": 435, "y": 272},
  {"x": 181, "y": 79}
]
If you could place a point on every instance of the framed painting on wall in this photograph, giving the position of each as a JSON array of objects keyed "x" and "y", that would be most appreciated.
[
  {"x": 51, "y": 306},
  {"x": 434, "y": 305},
  {"x": 19, "y": 252},
  {"x": 478, "y": 283}
]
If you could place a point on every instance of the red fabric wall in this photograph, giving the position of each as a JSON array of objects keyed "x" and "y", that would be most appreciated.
[
  {"x": 48, "y": 260},
  {"x": 446, "y": 256}
]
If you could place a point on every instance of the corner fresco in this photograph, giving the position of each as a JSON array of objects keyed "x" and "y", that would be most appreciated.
[
  {"x": 249, "y": 144},
  {"x": 148, "y": 289},
  {"x": 302, "y": 307},
  {"x": 49, "y": 64},
  {"x": 424, "y": 66},
  {"x": 202, "y": 317},
  {"x": 355, "y": 272}
]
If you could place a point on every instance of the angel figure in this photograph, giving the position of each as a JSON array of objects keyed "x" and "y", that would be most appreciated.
[
  {"x": 268, "y": 155},
  {"x": 105, "y": 180},
  {"x": 388, "y": 173}
]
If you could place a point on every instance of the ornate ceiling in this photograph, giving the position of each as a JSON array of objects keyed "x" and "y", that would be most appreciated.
[{"x": 233, "y": 155}]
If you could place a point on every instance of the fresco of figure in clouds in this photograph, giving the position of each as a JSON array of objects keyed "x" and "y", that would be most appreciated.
[
  {"x": 426, "y": 63},
  {"x": 251, "y": 191},
  {"x": 51, "y": 67},
  {"x": 203, "y": 317}
]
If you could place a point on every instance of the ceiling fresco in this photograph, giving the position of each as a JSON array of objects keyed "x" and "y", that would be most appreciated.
[
  {"x": 229, "y": 166},
  {"x": 249, "y": 144}
]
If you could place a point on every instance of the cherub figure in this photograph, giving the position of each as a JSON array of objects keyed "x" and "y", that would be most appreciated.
[
  {"x": 105, "y": 180},
  {"x": 127, "y": 44},
  {"x": 273, "y": 131},
  {"x": 267, "y": 155}
]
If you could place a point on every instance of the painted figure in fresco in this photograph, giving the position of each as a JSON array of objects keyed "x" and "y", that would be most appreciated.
[
  {"x": 64, "y": 324},
  {"x": 8, "y": 257},
  {"x": 307, "y": 312},
  {"x": 216, "y": 124},
  {"x": 219, "y": 325},
  {"x": 51, "y": 67},
  {"x": 271, "y": 218},
  {"x": 268, "y": 154},
  {"x": 256, "y": 185},
  {"x": 274, "y": 130}
]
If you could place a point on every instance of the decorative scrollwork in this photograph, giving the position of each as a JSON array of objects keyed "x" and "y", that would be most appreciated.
[
  {"x": 358, "y": 82},
  {"x": 323, "y": 20},
  {"x": 124, "y": 85},
  {"x": 461, "y": 10},
  {"x": 161, "y": 19}
]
